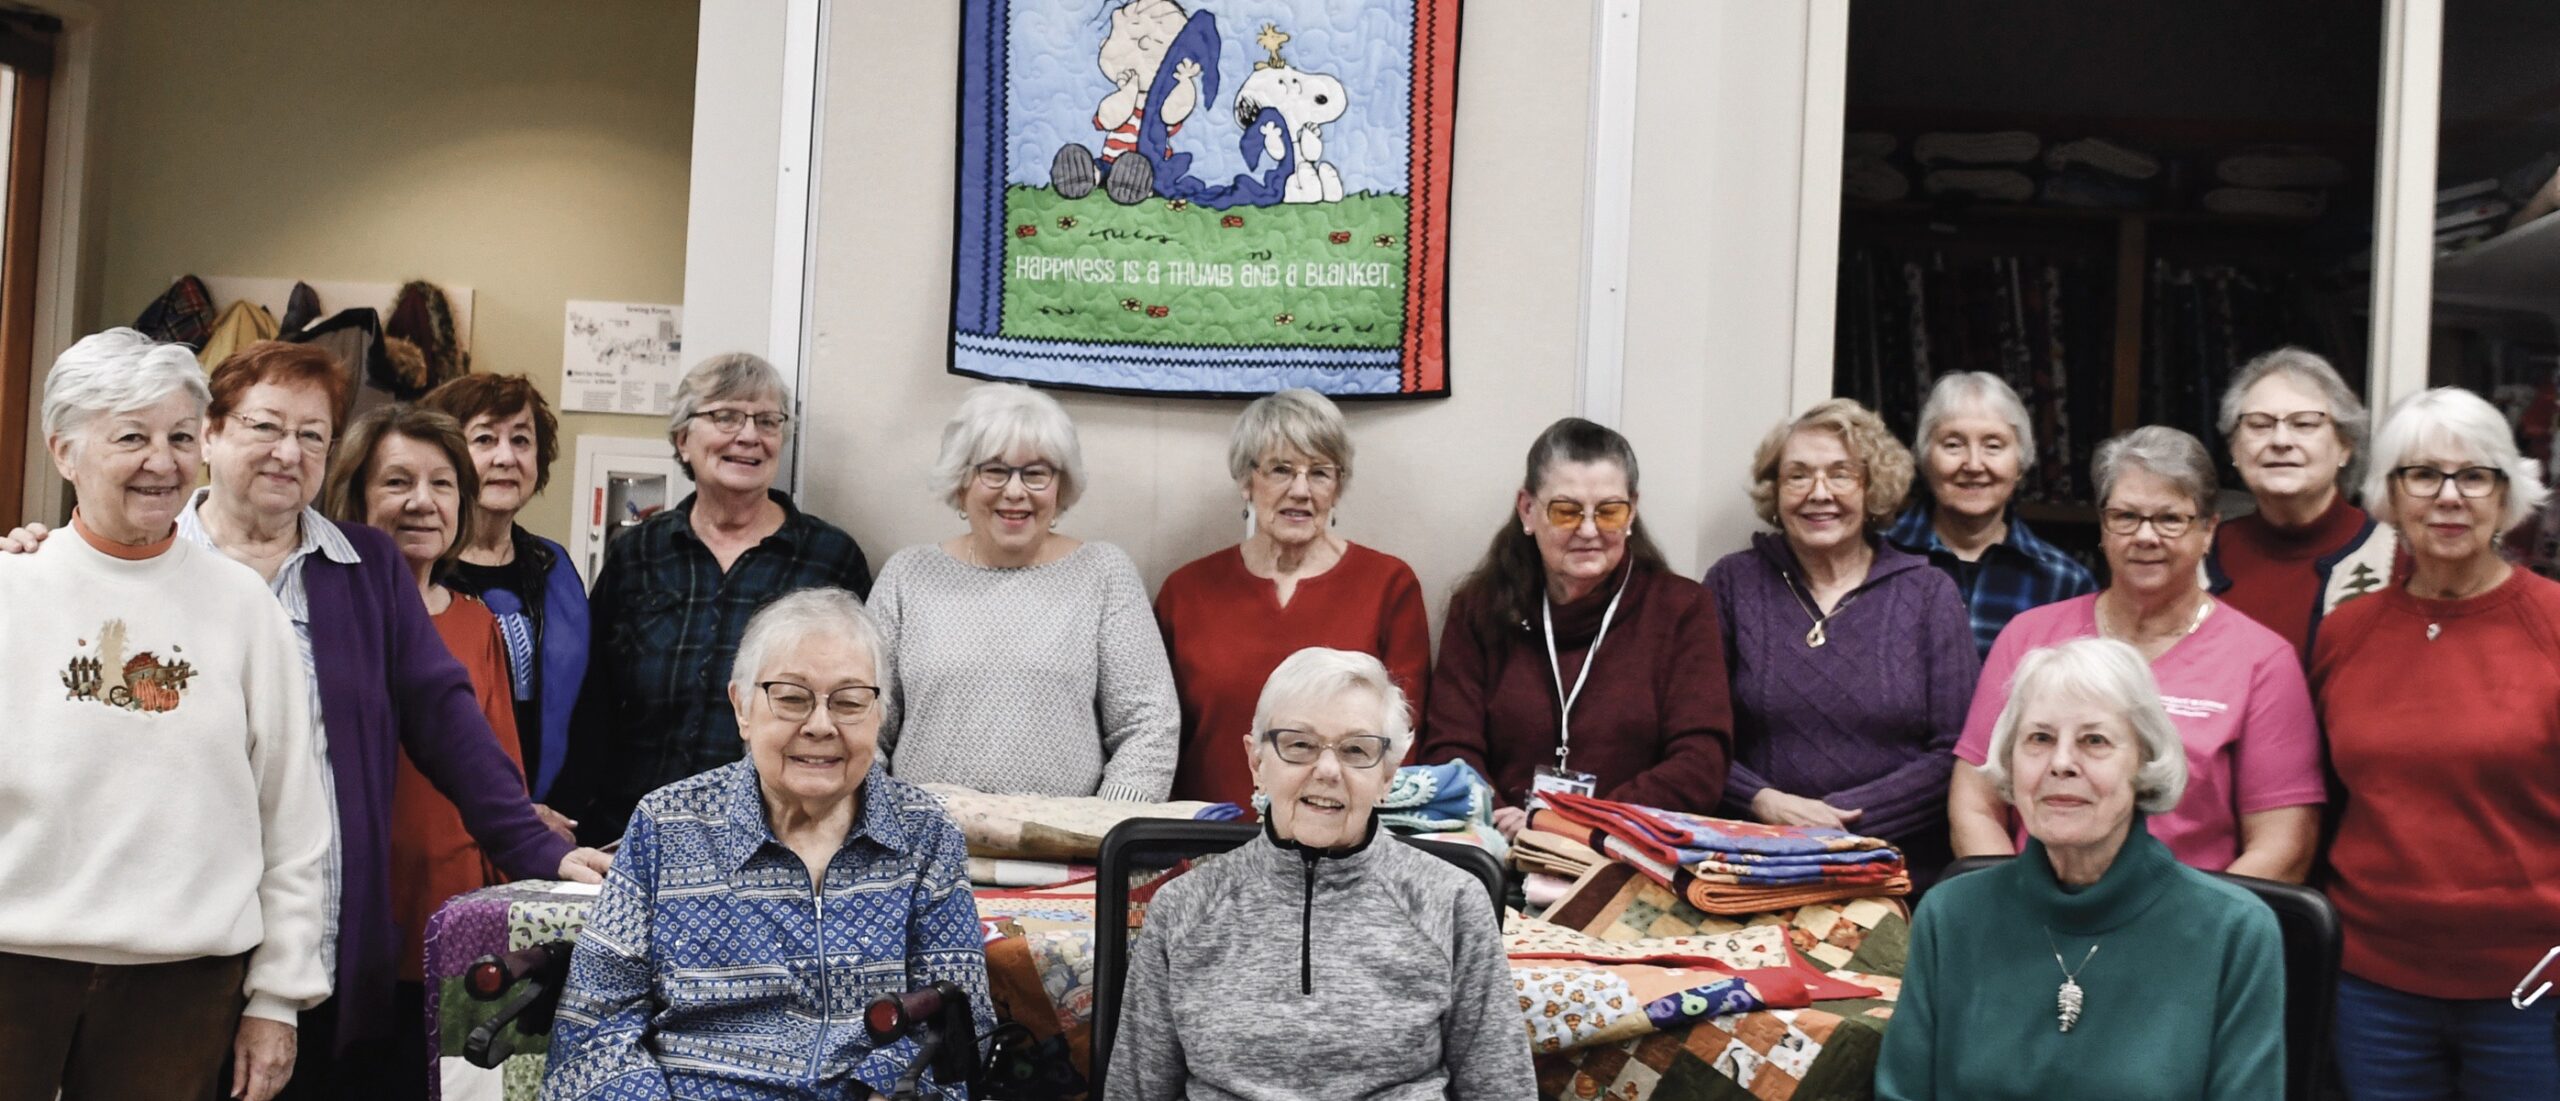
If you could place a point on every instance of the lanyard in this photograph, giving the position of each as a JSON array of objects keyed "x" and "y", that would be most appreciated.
[{"x": 1555, "y": 668}]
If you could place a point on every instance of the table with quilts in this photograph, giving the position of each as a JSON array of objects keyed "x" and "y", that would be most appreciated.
[{"x": 1626, "y": 989}]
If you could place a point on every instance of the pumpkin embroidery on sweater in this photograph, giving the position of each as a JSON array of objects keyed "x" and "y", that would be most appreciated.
[{"x": 142, "y": 682}]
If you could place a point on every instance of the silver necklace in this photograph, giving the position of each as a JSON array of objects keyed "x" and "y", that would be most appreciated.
[
  {"x": 1816, "y": 637},
  {"x": 2067, "y": 1000}
]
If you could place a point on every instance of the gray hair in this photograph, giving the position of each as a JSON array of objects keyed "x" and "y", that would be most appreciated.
[
  {"x": 117, "y": 371},
  {"x": 2462, "y": 425},
  {"x": 2165, "y": 452},
  {"x": 2112, "y": 675},
  {"x": 1971, "y": 391},
  {"x": 737, "y": 376},
  {"x": 2347, "y": 416},
  {"x": 1302, "y": 420},
  {"x": 797, "y": 617},
  {"x": 993, "y": 419},
  {"x": 1319, "y": 673}
]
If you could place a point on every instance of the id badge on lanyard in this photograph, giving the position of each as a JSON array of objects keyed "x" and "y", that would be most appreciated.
[{"x": 1562, "y": 776}]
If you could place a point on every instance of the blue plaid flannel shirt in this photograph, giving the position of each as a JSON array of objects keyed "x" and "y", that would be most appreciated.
[
  {"x": 708, "y": 968},
  {"x": 2017, "y": 573}
]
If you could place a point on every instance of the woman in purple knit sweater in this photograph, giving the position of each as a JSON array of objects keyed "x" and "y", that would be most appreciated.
[{"x": 1852, "y": 662}]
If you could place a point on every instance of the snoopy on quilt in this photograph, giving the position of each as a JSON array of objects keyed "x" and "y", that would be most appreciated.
[{"x": 1306, "y": 101}]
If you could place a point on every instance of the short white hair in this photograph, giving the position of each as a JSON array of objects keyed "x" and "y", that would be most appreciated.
[
  {"x": 2113, "y": 676},
  {"x": 1976, "y": 391},
  {"x": 2460, "y": 425},
  {"x": 1301, "y": 420},
  {"x": 796, "y": 618},
  {"x": 737, "y": 376},
  {"x": 117, "y": 371},
  {"x": 1319, "y": 673},
  {"x": 2167, "y": 453},
  {"x": 995, "y": 418},
  {"x": 2347, "y": 415}
]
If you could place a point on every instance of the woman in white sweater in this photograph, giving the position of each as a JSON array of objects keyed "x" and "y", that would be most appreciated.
[
  {"x": 1026, "y": 660},
  {"x": 164, "y": 832}
]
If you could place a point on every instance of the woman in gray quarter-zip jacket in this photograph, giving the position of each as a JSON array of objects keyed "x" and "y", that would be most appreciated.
[{"x": 1320, "y": 959}]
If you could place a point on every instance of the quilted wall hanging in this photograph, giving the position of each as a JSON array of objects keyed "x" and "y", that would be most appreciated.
[{"x": 1205, "y": 197}]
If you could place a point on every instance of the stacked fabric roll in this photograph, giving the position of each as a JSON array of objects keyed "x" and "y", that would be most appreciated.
[
  {"x": 1867, "y": 173},
  {"x": 2275, "y": 182},
  {"x": 2095, "y": 172},
  {"x": 1725, "y": 866},
  {"x": 1988, "y": 165}
]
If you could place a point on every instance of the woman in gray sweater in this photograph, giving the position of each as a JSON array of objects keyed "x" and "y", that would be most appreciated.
[{"x": 1321, "y": 959}]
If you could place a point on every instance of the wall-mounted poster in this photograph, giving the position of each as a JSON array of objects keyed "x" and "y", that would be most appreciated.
[{"x": 1205, "y": 196}]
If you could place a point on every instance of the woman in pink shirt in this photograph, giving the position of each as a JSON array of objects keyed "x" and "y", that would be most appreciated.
[{"x": 2233, "y": 688}]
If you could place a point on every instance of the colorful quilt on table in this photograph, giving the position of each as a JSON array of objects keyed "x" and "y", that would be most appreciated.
[
  {"x": 487, "y": 922},
  {"x": 1052, "y": 827},
  {"x": 1205, "y": 196},
  {"x": 1728, "y": 866}
]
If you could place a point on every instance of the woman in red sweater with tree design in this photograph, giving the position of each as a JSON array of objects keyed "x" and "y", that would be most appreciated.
[
  {"x": 2295, "y": 431},
  {"x": 2441, "y": 696}
]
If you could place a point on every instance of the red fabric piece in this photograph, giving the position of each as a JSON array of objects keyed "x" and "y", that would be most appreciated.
[
  {"x": 1655, "y": 722},
  {"x": 1225, "y": 630},
  {"x": 2447, "y": 858},
  {"x": 433, "y": 857},
  {"x": 2273, "y": 579}
]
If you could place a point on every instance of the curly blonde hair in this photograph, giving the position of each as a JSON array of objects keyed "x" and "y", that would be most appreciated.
[{"x": 1871, "y": 445}]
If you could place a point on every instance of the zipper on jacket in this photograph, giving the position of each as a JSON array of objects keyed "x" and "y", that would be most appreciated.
[
  {"x": 818, "y": 1054},
  {"x": 1307, "y": 928}
]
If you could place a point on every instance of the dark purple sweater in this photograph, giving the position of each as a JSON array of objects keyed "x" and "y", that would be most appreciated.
[
  {"x": 387, "y": 683},
  {"x": 1869, "y": 720}
]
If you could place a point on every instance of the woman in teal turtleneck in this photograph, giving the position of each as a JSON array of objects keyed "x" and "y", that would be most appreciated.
[{"x": 2094, "y": 966}]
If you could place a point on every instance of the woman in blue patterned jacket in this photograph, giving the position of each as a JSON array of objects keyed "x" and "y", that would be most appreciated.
[{"x": 758, "y": 907}]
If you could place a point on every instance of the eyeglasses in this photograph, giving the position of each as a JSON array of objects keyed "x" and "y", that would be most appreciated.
[
  {"x": 2125, "y": 521},
  {"x": 270, "y": 433},
  {"x": 1606, "y": 516},
  {"x": 792, "y": 703},
  {"x": 1838, "y": 476},
  {"x": 2303, "y": 424},
  {"x": 2470, "y": 481},
  {"x": 1035, "y": 477},
  {"x": 733, "y": 421},
  {"x": 1320, "y": 478},
  {"x": 1299, "y": 747}
]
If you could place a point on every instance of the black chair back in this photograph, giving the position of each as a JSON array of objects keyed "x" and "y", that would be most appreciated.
[
  {"x": 2312, "y": 944},
  {"x": 1142, "y": 844}
]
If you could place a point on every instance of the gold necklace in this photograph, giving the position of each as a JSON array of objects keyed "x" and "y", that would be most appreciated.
[
  {"x": 1816, "y": 637},
  {"x": 2204, "y": 605}
]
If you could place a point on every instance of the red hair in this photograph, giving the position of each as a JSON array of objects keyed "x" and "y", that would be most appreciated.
[{"x": 285, "y": 365}]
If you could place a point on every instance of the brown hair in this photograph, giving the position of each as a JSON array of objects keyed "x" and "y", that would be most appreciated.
[
  {"x": 471, "y": 397},
  {"x": 1506, "y": 584},
  {"x": 285, "y": 365},
  {"x": 351, "y": 473}
]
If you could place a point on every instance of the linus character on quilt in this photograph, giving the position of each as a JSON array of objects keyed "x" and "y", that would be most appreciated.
[{"x": 1138, "y": 48}]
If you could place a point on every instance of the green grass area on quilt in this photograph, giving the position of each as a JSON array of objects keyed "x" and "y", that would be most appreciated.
[{"x": 1329, "y": 275}]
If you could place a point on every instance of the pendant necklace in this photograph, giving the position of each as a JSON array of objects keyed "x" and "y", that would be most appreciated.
[
  {"x": 2067, "y": 1000},
  {"x": 1815, "y": 637}
]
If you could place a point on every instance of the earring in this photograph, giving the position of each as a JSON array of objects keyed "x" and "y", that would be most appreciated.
[{"x": 1247, "y": 514}]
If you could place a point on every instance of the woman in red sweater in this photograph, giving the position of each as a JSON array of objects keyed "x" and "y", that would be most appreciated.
[
  {"x": 2441, "y": 696},
  {"x": 2295, "y": 430},
  {"x": 1230, "y": 618},
  {"x": 1572, "y": 614}
]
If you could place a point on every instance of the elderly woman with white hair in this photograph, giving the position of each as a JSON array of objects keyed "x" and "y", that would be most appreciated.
[
  {"x": 2233, "y": 688},
  {"x": 2441, "y": 696},
  {"x": 2295, "y": 431},
  {"x": 1027, "y": 659},
  {"x": 709, "y": 966},
  {"x": 161, "y": 871},
  {"x": 1230, "y": 618},
  {"x": 1974, "y": 444},
  {"x": 2094, "y": 964},
  {"x": 675, "y": 594},
  {"x": 1369, "y": 968}
]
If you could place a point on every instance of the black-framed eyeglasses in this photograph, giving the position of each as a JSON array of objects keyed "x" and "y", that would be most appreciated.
[
  {"x": 1302, "y": 747},
  {"x": 1320, "y": 476},
  {"x": 734, "y": 421},
  {"x": 792, "y": 702},
  {"x": 2303, "y": 423},
  {"x": 2470, "y": 481},
  {"x": 1035, "y": 476},
  {"x": 270, "y": 433},
  {"x": 2125, "y": 521}
]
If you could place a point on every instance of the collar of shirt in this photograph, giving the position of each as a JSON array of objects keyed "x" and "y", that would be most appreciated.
[
  {"x": 748, "y": 830},
  {"x": 790, "y": 531},
  {"x": 319, "y": 535},
  {"x": 1914, "y": 531}
]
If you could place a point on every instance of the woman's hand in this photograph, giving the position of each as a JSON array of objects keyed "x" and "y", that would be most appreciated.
[
  {"x": 1778, "y": 808},
  {"x": 23, "y": 540},
  {"x": 585, "y": 865},
  {"x": 561, "y": 826},
  {"x": 1510, "y": 820},
  {"x": 261, "y": 1058}
]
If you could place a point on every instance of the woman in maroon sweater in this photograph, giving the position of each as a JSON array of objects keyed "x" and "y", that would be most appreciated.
[
  {"x": 2295, "y": 430},
  {"x": 2441, "y": 696},
  {"x": 1573, "y": 614}
]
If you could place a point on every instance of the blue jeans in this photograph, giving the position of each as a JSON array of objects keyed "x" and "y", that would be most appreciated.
[{"x": 2406, "y": 1047}]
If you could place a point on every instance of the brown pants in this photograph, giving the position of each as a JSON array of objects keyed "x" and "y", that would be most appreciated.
[{"x": 95, "y": 1031}]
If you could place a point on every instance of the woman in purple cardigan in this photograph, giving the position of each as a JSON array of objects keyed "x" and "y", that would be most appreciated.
[{"x": 1852, "y": 662}]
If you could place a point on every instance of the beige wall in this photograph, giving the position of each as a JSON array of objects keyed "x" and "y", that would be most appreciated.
[
  {"x": 1711, "y": 305},
  {"x": 534, "y": 152}
]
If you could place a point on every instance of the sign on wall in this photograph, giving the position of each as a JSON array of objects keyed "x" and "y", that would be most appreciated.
[{"x": 1205, "y": 196}]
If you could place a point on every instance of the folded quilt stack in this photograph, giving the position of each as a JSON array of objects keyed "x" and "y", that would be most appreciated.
[{"x": 1724, "y": 866}]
